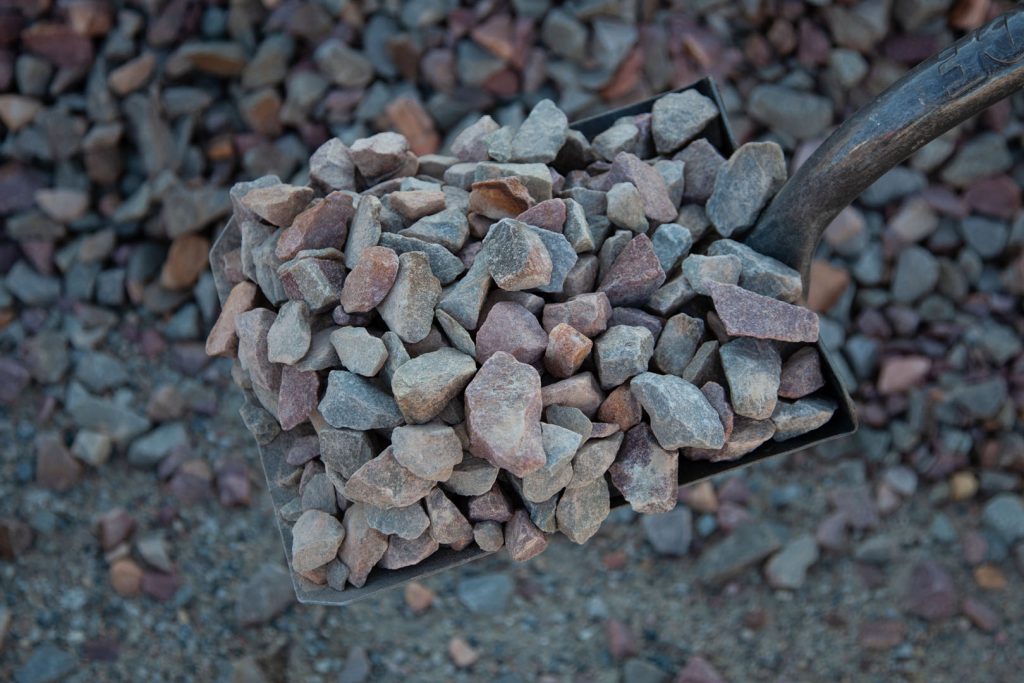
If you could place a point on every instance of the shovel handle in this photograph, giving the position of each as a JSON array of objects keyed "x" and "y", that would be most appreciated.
[{"x": 977, "y": 71}]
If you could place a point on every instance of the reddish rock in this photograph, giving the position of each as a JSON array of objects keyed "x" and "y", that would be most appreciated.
[
  {"x": 645, "y": 473},
  {"x": 114, "y": 527},
  {"x": 316, "y": 538},
  {"x": 930, "y": 592},
  {"x": 59, "y": 44},
  {"x": 415, "y": 204},
  {"x": 828, "y": 283},
  {"x": 801, "y": 374},
  {"x": 409, "y": 118},
  {"x": 622, "y": 642},
  {"x": 323, "y": 225},
  {"x": 126, "y": 577},
  {"x": 566, "y": 350},
  {"x": 698, "y": 670},
  {"x": 882, "y": 635},
  {"x": 223, "y": 339},
  {"x": 635, "y": 274},
  {"x": 492, "y": 506},
  {"x": 418, "y": 597},
  {"x": 901, "y": 373},
  {"x": 621, "y": 408},
  {"x": 234, "y": 488},
  {"x": 628, "y": 168},
  {"x": 132, "y": 75},
  {"x": 462, "y": 653},
  {"x": 980, "y": 614},
  {"x": 187, "y": 259},
  {"x": 587, "y": 313},
  {"x": 746, "y": 314},
  {"x": 503, "y": 409},
  {"x": 278, "y": 204},
  {"x": 549, "y": 214},
  {"x": 370, "y": 281},
  {"x": 715, "y": 394},
  {"x": 56, "y": 468},
  {"x": 383, "y": 483},
  {"x": 499, "y": 198},
  {"x": 579, "y": 391},
  {"x": 509, "y": 327},
  {"x": 523, "y": 539}
]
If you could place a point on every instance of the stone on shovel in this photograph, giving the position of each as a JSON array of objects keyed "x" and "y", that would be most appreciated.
[
  {"x": 745, "y": 184},
  {"x": 800, "y": 417},
  {"x": 359, "y": 351},
  {"x": 405, "y": 522},
  {"x": 752, "y": 369},
  {"x": 702, "y": 271},
  {"x": 560, "y": 445},
  {"x": 289, "y": 337},
  {"x": 448, "y": 525},
  {"x": 429, "y": 451},
  {"x": 472, "y": 477},
  {"x": 353, "y": 402},
  {"x": 316, "y": 538},
  {"x": 645, "y": 473},
  {"x": 801, "y": 374},
  {"x": 492, "y": 506},
  {"x": 626, "y": 207},
  {"x": 678, "y": 342},
  {"x": 593, "y": 459},
  {"x": 516, "y": 257},
  {"x": 746, "y": 435},
  {"x": 523, "y": 539},
  {"x": 681, "y": 416},
  {"x": 581, "y": 510},
  {"x": 384, "y": 483},
  {"x": 503, "y": 409},
  {"x": 746, "y": 314},
  {"x": 541, "y": 135},
  {"x": 677, "y": 118},
  {"x": 403, "y": 552},
  {"x": 423, "y": 386},
  {"x": 363, "y": 546},
  {"x": 759, "y": 273},
  {"x": 622, "y": 352}
]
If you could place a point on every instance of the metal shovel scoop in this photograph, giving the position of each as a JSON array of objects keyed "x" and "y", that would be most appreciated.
[{"x": 979, "y": 70}]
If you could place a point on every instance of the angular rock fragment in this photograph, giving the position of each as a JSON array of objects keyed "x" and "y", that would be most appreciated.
[
  {"x": 748, "y": 314},
  {"x": 383, "y": 483},
  {"x": 541, "y": 135},
  {"x": 314, "y": 279},
  {"x": 752, "y": 369},
  {"x": 635, "y": 274},
  {"x": 622, "y": 352},
  {"x": 429, "y": 451},
  {"x": 489, "y": 536},
  {"x": 343, "y": 450},
  {"x": 469, "y": 144},
  {"x": 702, "y": 271},
  {"x": 587, "y": 313},
  {"x": 626, "y": 207},
  {"x": 404, "y": 522},
  {"x": 423, "y": 386},
  {"x": 322, "y": 226},
  {"x": 353, "y": 402},
  {"x": 565, "y": 351},
  {"x": 415, "y": 204},
  {"x": 503, "y": 409},
  {"x": 277, "y": 204},
  {"x": 801, "y": 374},
  {"x": 499, "y": 197},
  {"x": 621, "y": 408},
  {"x": 448, "y": 228},
  {"x": 745, "y": 183},
  {"x": 296, "y": 397},
  {"x": 404, "y": 552},
  {"x": 629, "y": 168},
  {"x": 464, "y": 300},
  {"x": 645, "y": 473},
  {"x": 681, "y": 416},
  {"x": 560, "y": 445},
  {"x": 380, "y": 156},
  {"x": 364, "y": 230},
  {"x": 370, "y": 280},
  {"x": 746, "y": 435},
  {"x": 582, "y": 510},
  {"x": 448, "y": 525},
  {"x": 563, "y": 258},
  {"x": 491, "y": 506},
  {"x": 671, "y": 243},
  {"x": 332, "y": 167},
  {"x": 408, "y": 308},
  {"x": 316, "y": 538},
  {"x": 445, "y": 265},
  {"x": 362, "y": 547},
  {"x": 473, "y": 476},
  {"x": 702, "y": 163},
  {"x": 223, "y": 339},
  {"x": 516, "y": 256},
  {"x": 549, "y": 214},
  {"x": 800, "y": 417},
  {"x": 677, "y": 118},
  {"x": 716, "y": 396},
  {"x": 579, "y": 391},
  {"x": 511, "y": 328},
  {"x": 253, "y": 327},
  {"x": 523, "y": 539},
  {"x": 678, "y": 343},
  {"x": 593, "y": 459},
  {"x": 759, "y": 273},
  {"x": 289, "y": 337}
]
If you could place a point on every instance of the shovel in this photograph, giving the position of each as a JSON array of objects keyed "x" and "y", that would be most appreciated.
[{"x": 954, "y": 85}]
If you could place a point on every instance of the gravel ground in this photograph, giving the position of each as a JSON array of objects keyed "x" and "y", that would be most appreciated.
[{"x": 897, "y": 554}]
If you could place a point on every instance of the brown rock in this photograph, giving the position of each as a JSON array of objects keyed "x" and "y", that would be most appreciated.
[
  {"x": 297, "y": 396},
  {"x": 523, "y": 539},
  {"x": 418, "y": 597},
  {"x": 223, "y": 339},
  {"x": 384, "y": 483},
  {"x": 278, "y": 204},
  {"x": 587, "y": 313},
  {"x": 322, "y": 226},
  {"x": 549, "y": 214},
  {"x": 635, "y": 274},
  {"x": 409, "y": 118},
  {"x": 579, "y": 391},
  {"x": 621, "y": 408},
  {"x": 126, "y": 577},
  {"x": 415, "y": 204},
  {"x": 403, "y": 552},
  {"x": 316, "y": 538},
  {"x": 56, "y": 468},
  {"x": 362, "y": 547},
  {"x": 186, "y": 261},
  {"x": 746, "y": 314},
  {"x": 882, "y": 635},
  {"x": 462, "y": 653},
  {"x": 492, "y": 506},
  {"x": 566, "y": 350},
  {"x": 132, "y": 75},
  {"x": 447, "y": 524},
  {"x": 901, "y": 373},
  {"x": 801, "y": 374},
  {"x": 499, "y": 198},
  {"x": 827, "y": 285},
  {"x": 114, "y": 527},
  {"x": 370, "y": 281},
  {"x": 17, "y": 111},
  {"x": 59, "y": 44},
  {"x": 509, "y": 327},
  {"x": 503, "y": 409}
]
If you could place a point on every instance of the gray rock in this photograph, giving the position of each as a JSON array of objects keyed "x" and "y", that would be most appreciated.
[
  {"x": 593, "y": 459},
  {"x": 320, "y": 494},
  {"x": 445, "y": 265},
  {"x": 364, "y": 230},
  {"x": 1004, "y": 515},
  {"x": 344, "y": 450},
  {"x": 148, "y": 450},
  {"x": 363, "y": 547},
  {"x": 541, "y": 135},
  {"x": 569, "y": 418},
  {"x": 748, "y": 544},
  {"x": 746, "y": 435},
  {"x": 987, "y": 154},
  {"x": 473, "y": 476},
  {"x": 788, "y": 567},
  {"x": 576, "y": 228},
  {"x": 563, "y": 258},
  {"x": 359, "y": 351},
  {"x": 429, "y": 451},
  {"x": 560, "y": 446},
  {"x": 456, "y": 333},
  {"x": 332, "y": 167},
  {"x": 383, "y": 483},
  {"x": 916, "y": 274},
  {"x": 680, "y": 414},
  {"x": 700, "y": 271},
  {"x": 622, "y": 137},
  {"x": 753, "y": 369},
  {"x": 353, "y": 402},
  {"x": 516, "y": 257},
  {"x": 342, "y": 64},
  {"x": 986, "y": 236},
  {"x": 801, "y": 115},
  {"x": 672, "y": 296},
  {"x": 800, "y": 417},
  {"x": 490, "y": 536},
  {"x": 405, "y": 522},
  {"x": 677, "y": 118},
  {"x": 423, "y": 386},
  {"x": 761, "y": 274},
  {"x": 673, "y": 173},
  {"x": 314, "y": 280},
  {"x": 408, "y": 309},
  {"x": 745, "y": 184},
  {"x": 622, "y": 352},
  {"x": 581, "y": 510},
  {"x": 486, "y": 594},
  {"x": 469, "y": 144},
  {"x": 669, "y": 532},
  {"x": 645, "y": 473},
  {"x": 403, "y": 552},
  {"x": 448, "y": 228},
  {"x": 30, "y": 287},
  {"x": 290, "y": 335},
  {"x": 702, "y": 163},
  {"x": 447, "y": 524},
  {"x": 626, "y": 207},
  {"x": 671, "y": 243},
  {"x": 464, "y": 300},
  {"x": 47, "y": 664},
  {"x": 677, "y": 343},
  {"x": 536, "y": 177}
]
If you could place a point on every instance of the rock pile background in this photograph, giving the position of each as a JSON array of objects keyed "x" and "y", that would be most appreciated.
[{"x": 129, "y": 503}]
